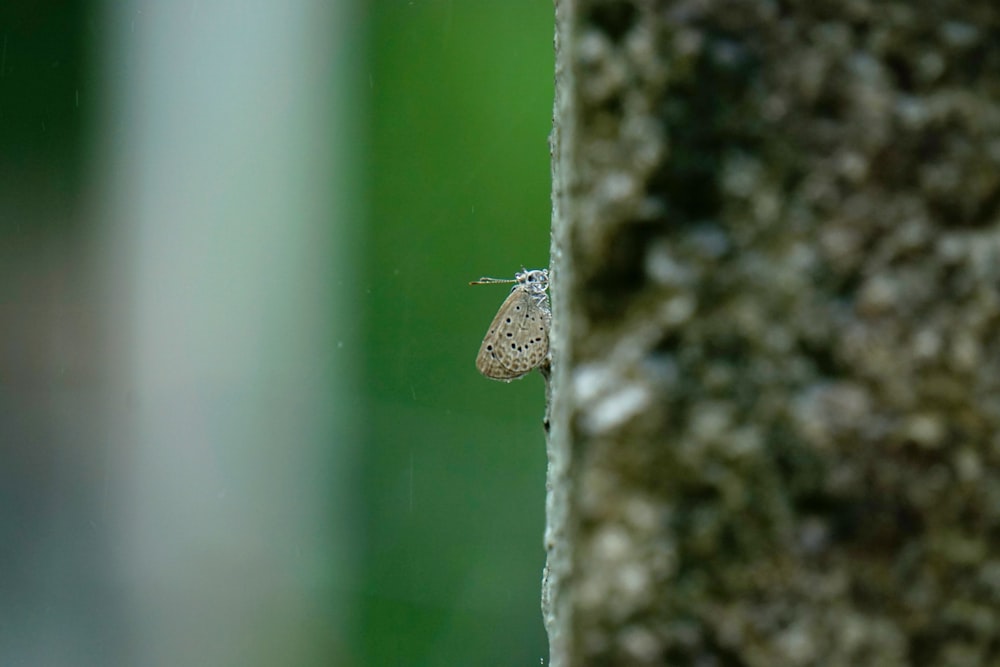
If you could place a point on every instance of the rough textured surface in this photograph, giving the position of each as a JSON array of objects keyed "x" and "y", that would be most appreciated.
[
  {"x": 776, "y": 332},
  {"x": 557, "y": 611}
]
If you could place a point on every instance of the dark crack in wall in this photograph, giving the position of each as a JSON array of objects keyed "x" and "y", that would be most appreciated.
[{"x": 784, "y": 310}]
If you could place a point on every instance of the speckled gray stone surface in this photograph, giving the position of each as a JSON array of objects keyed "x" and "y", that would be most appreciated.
[{"x": 781, "y": 332}]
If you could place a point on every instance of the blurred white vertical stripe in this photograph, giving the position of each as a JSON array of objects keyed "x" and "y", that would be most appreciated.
[{"x": 231, "y": 259}]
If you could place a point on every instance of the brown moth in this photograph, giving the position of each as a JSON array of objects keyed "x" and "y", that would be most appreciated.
[{"x": 518, "y": 338}]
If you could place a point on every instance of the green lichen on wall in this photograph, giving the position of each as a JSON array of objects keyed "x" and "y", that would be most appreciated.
[{"x": 786, "y": 332}]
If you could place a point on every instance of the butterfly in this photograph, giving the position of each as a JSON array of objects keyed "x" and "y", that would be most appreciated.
[{"x": 518, "y": 338}]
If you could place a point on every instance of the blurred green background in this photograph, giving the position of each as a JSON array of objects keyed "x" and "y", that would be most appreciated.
[
  {"x": 454, "y": 473},
  {"x": 440, "y": 487}
]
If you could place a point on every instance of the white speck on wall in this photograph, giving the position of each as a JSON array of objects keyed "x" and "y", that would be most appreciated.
[{"x": 617, "y": 408}]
